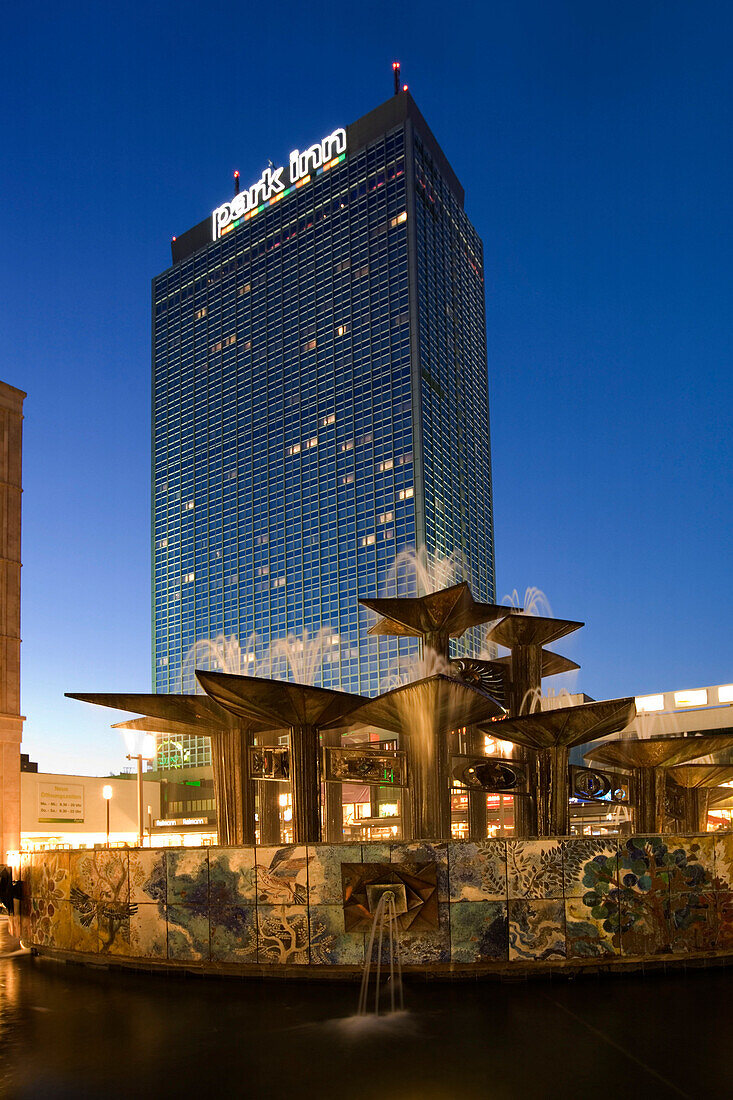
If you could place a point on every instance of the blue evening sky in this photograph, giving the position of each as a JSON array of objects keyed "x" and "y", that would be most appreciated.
[{"x": 594, "y": 144}]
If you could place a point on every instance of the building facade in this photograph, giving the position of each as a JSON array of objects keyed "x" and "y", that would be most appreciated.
[{"x": 320, "y": 406}]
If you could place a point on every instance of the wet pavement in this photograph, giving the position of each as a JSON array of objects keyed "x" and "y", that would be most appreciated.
[{"x": 70, "y": 1031}]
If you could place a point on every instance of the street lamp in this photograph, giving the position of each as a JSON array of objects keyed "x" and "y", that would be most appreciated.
[
  {"x": 106, "y": 795},
  {"x": 147, "y": 752}
]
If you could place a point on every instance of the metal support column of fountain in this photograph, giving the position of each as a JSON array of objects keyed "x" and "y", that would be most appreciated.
[
  {"x": 435, "y": 618},
  {"x": 650, "y": 760},
  {"x": 304, "y": 710}
]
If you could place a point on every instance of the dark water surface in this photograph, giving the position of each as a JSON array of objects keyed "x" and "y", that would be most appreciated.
[{"x": 69, "y": 1031}]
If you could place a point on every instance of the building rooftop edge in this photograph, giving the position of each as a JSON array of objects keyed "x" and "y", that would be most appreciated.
[{"x": 398, "y": 108}]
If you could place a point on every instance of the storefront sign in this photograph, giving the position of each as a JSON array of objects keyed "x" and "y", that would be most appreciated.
[
  {"x": 61, "y": 802},
  {"x": 275, "y": 183},
  {"x": 167, "y": 821}
]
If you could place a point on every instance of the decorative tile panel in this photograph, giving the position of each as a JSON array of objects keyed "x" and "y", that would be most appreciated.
[
  {"x": 100, "y": 874},
  {"x": 534, "y": 869},
  {"x": 188, "y": 933},
  {"x": 645, "y": 927},
  {"x": 282, "y": 875},
  {"x": 187, "y": 874},
  {"x": 420, "y": 947},
  {"x": 479, "y": 932},
  {"x": 324, "y": 871},
  {"x": 644, "y": 865},
  {"x": 692, "y": 862},
  {"x": 591, "y": 930},
  {"x": 724, "y": 919},
  {"x": 426, "y": 852},
  {"x": 477, "y": 871},
  {"x": 147, "y": 872},
  {"x": 329, "y": 941},
  {"x": 724, "y": 861},
  {"x": 232, "y": 879},
  {"x": 693, "y": 921},
  {"x": 148, "y": 932},
  {"x": 536, "y": 929},
  {"x": 585, "y": 861},
  {"x": 233, "y": 934},
  {"x": 283, "y": 935}
]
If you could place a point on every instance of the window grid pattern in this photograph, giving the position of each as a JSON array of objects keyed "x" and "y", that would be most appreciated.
[
  {"x": 454, "y": 384},
  {"x": 283, "y": 463}
]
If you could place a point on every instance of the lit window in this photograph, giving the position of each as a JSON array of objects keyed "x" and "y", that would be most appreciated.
[
  {"x": 725, "y": 693},
  {"x": 697, "y": 698},
  {"x": 230, "y": 340},
  {"x": 188, "y": 577},
  {"x": 386, "y": 517},
  {"x": 201, "y": 313},
  {"x": 646, "y": 703},
  {"x": 368, "y": 540},
  {"x": 326, "y": 420},
  {"x": 406, "y": 494},
  {"x": 399, "y": 220},
  {"x": 188, "y": 506},
  {"x": 388, "y": 464},
  {"x": 309, "y": 345},
  {"x": 342, "y": 330},
  {"x": 244, "y": 290}
]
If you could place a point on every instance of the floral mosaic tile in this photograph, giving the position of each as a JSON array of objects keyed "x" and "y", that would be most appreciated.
[
  {"x": 479, "y": 932},
  {"x": 329, "y": 943},
  {"x": 591, "y": 930},
  {"x": 188, "y": 933},
  {"x": 49, "y": 923},
  {"x": 724, "y": 919},
  {"x": 147, "y": 873},
  {"x": 283, "y": 934},
  {"x": 101, "y": 874},
  {"x": 644, "y": 865},
  {"x": 693, "y": 921},
  {"x": 724, "y": 861},
  {"x": 534, "y": 869},
  {"x": 477, "y": 871},
  {"x": 585, "y": 860},
  {"x": 692, "y": 862},
  {"x": 282, "y": 875},
  {"x": 645, "y": 927},
  {"x": 324, "y": 871},
  {"x": 427, "y": 945},
  {"x": 148, "y": 932},
  {"x": 425, "y": 852},
  {"x": 536, "y": 929},
  {"x": 51, "y": 876},
  {"x": 231, "y": 877},
  {"x": 234, "y": 934}
]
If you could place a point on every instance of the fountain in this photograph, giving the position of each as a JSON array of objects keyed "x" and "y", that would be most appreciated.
[{"x": 648, "y": 760}]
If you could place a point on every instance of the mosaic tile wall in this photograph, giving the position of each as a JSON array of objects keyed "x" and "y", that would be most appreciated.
[{"x": 498, "y": 901}]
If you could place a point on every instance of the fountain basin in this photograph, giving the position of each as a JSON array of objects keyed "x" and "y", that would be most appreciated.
[{"x": 503, "y": 906}]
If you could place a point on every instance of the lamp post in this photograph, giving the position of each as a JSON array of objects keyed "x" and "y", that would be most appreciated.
[
  {"x": 147, "y": 752},
  {"x": 107, "y": 795}
]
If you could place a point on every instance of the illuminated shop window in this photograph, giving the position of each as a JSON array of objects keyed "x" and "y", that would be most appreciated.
[
  {"x": 647, "y": 703},
  {"x": 695, "y": 698}
]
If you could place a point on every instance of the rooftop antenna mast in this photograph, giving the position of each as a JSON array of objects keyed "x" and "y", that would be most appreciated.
[
  {"x": 396, "y": 71},
  {"x": 236, "y": 183}
]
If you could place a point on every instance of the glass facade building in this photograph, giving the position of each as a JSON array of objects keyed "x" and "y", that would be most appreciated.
[{"x": 320, "y": 404}]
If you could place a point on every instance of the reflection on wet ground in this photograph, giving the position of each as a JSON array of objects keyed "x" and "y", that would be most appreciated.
[{"x": 70, "y": 1031}]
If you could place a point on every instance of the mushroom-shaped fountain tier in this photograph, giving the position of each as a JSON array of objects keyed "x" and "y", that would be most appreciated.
[
  {"x": 435, "y": 618},
  {"x": 304, "y": 710},
  {"x": 552, "y": 733},
  {"x": 426, "y": 711},
  {"x": 525, "y": 636},
  {"x": 647, "y": 759},
  {"x": 699, "y": 781},
  {"x": 200, "y": 716}
]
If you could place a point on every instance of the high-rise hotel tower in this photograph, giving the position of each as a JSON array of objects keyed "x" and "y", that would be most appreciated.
[{"x": 320, "y": 401}]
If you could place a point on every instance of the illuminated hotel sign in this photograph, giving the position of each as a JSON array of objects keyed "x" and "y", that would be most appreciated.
[{"x": 276, "y": 183}]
